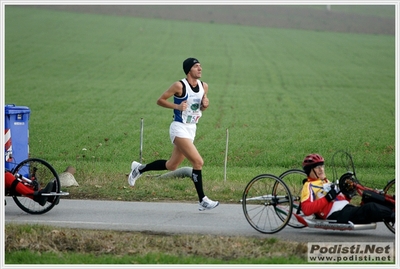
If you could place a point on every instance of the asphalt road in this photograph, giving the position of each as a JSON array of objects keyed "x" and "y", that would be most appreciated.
[{"x": 182, "y": 218}]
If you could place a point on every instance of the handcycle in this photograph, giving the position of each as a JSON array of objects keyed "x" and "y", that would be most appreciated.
[
  {"x": 36, "y": 174},
  {"x": 270, "y": 203}
]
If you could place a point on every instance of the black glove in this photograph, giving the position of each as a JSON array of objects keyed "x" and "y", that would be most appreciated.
[{"x": 331, "y": 195}]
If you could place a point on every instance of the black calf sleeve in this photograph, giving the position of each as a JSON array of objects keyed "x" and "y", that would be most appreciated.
[
  {"x": 198, "y": 183},
  {"x": 154, "y": 166}
]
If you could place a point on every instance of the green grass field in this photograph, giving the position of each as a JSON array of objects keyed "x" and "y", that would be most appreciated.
[
  {"x": 281, "y": 94},
  {"x": 89, "y": 79}
]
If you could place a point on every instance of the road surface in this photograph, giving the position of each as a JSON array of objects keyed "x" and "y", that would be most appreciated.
[{"x": 180, "y": 218}]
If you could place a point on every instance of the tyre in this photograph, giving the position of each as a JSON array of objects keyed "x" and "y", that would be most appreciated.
[
  {"x": 267, "y": 203},
  {"x": 390, "y": 189},
  {"x": 40, "y": 173},
  {"x": 293, "y": 178}
]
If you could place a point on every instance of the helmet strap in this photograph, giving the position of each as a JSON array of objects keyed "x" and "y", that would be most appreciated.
[{"x": 313, "y": 169}]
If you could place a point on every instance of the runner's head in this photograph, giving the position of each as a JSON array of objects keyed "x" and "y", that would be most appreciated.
[
  {"x": 188, "y": 64},
  {"x": 311, "y": 161}
]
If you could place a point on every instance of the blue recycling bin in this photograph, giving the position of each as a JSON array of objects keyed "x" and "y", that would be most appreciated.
[{"x": 16, "y": 135}]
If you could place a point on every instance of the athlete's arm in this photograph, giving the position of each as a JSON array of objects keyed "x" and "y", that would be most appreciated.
[
  {"x": 204, "y": 102},
  {"x": 314, "y": 207},
  {"x": 174, "y": 89}
]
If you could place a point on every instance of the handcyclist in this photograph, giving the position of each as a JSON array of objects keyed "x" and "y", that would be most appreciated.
[
  {"x": 15, "y": 186},
  {"x": 321, "y": 198}
]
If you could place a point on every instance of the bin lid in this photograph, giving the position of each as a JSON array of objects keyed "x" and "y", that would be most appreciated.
[{"x": 13, "y": 109}]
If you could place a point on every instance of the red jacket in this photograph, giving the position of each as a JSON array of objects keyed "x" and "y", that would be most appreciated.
[{"x": 313, "y": 199}]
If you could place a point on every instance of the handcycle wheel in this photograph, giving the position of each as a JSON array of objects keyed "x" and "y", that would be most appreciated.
[
  {"x": 294, "y": 178},
  {"x": 390, "y": 189},
  {"x": 41, "y": 173},
  {"x": 265, "y": 196}
]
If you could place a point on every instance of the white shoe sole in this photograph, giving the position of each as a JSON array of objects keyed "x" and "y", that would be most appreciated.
[
  {"x": 132, "y": 180},
  {"x": 201, "y": 208}
]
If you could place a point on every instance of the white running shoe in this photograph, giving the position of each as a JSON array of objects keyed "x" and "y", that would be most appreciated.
[
  {"x": 207, "y": 204},
  {"x": 134, "y": 174}
]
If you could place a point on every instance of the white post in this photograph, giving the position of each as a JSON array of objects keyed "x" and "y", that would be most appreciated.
[
  {"x": 226, "y": 153},
  {"x": 141, "y": 140}
]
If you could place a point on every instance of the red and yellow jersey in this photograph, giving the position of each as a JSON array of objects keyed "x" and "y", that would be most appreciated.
[{"x": 311, "y": 203}]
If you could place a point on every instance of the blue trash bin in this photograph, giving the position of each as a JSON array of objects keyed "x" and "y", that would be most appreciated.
[{"x": 16, "y": 135}]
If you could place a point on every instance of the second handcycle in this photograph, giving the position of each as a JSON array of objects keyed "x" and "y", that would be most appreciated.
[{"x": 36, "y": 173}]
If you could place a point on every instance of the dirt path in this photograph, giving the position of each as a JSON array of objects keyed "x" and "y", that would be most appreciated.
[{"x": 294, "y": 17}]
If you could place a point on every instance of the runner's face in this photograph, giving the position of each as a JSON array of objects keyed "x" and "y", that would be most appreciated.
[
  {"x": 318, "y": 172},
  {"x": 195, "y": 71}
]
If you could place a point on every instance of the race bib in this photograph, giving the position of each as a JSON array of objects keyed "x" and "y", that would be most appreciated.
[
  {"x": 192, "y": 114},
  {"x": 192, "y": 117}
]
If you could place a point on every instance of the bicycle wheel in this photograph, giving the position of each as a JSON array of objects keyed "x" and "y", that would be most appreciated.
[
  {"x": 390, "y": 189},
  {"x": 263, "y": 197},
  {"x": 293, "y": 178},
  {"x": 41, "y": 173}
]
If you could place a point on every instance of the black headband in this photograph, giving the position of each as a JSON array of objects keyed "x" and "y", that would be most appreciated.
[{"x": 188, "y": 63}]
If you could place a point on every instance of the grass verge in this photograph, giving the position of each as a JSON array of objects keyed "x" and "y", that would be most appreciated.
[{"x": 34, "y": 244}]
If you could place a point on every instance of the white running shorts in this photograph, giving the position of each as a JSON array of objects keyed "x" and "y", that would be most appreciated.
[{"x": 178, "y": 129}]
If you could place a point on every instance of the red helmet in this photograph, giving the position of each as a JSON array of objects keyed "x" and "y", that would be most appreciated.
[{"x": 312, "y": 160}]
